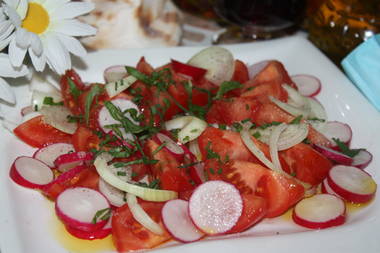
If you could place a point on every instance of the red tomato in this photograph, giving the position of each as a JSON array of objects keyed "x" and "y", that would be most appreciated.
[
  {"x": 262, "y": 92},
  {"x": 139, "y": 171},
  {"x": 129, "y": 235},
  {"x": 306, "y": 163},
  {"x": 241, "y": 72},
  {"x": 232, "y": 110},
  {"x": 87, "y": 177},
  {"x": 254, "y": 210},
  {"x": 144, "y": 67},
  {"x": 37, "y": 133},
  {"x": 227, "y": 144},
  {"x": 187, "y": 70},
  {"x": 280, "y": 191},
  {"x": 84, "y": 139},
  {"x": 167, "y": 169},
  {"x": 269, "y": 112},
  {"x": 70, "y": 99}
]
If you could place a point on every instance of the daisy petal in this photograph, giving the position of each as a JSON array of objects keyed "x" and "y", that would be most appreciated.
[
  {"x": 23, "y": 38},
  {"x": 7, "y": 32},
  {"x": 4, "y": 25},
  {"x": 54, "y": 4},
  {"x": 72, "y": 44},
  {"x": 38, "y": 62},
  {"x": 12, "y": 3},
  {"x": 72, "y": 10},
  {"x": 74, "y": 27},
  {"x": 4, "y": 43},
  {"x": 13, "y": 16},
  {"x": 57, "y": 55},
  {"x": 6, "y": 92},
  {"x": 36, "y": 44},
  {"x": 22, "y": 8},
  {"x": 16, "y": 54},
  {"x": 7, "y": 70}
]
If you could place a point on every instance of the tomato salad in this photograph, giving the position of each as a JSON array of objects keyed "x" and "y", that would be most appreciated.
[{"x": 189, "y": 150}]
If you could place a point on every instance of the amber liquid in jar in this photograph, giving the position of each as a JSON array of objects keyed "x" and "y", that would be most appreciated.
[{"x": 338, "y": 26}]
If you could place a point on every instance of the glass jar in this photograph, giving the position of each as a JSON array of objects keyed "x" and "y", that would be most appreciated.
[{"x": 338, "y": 26}]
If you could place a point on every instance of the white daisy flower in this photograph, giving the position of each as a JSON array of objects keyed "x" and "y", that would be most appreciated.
[
  {"x": 45, "y": 29},
  {"x": 7, "y": 70}
]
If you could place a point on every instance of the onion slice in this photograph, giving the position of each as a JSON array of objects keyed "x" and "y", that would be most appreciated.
[
  {"x": 142, "y": 192},
  {"x": 191, "y": 127},
  {"x": 273, "y": 150},
  {"x": 141, "y": 216},
  {"x": 116, "y": 87},
  {"x": 246, "y": 138}
]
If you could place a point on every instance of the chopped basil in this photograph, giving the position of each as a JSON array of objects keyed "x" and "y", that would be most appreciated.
[
  {"x": 212, "y": 171},
  {"x": 345, "y": 149},
  {"x": 226, "y": 87},
  {"x": 74, "y": 118},
  {"x": 210, "y": 153},
  {"x": 121, "y": 173},
  {"x": 103, "y": 214},
  {"x": 73, "y": 88},
  {"x": 266, "y": 125},
  {"x": 219, "y": 171},
  {"x": 50, "y": 101},
  {"x": 257, "y": 135},
  {"x": 94, "y": 91},
  {"x": 237, "y": 127},
  {"x": 296, "y": 120}
]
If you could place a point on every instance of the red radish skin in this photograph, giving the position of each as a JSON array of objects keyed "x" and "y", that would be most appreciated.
[
  {"x": 187, "y": 70},
  {"x": 197, "y": 173},
  {"x": 171, "y": 146},
  {"x": 325, "y": 188},
  {"x": 362, "y": 159},
  {"x": 51, "y": 152},
  {"x": 338, "y": 130},
  {"x": 175, "y": 216},
  {"x": 320, "y": 211},
  {"x": 307, "y": 85},
  {"x": 215, "y": 207},
  {"x": 352, "y": 184},
  {"x": 26, "y": 110},
  {"x": 76, "y": 207},
  {"x": 115, "y": 73},
  {"x": 94, "y": 235},
  {"x": 68, "y": 161},
  {"x": 334, "y": 155},
  {"x": 30, "y": 173}
]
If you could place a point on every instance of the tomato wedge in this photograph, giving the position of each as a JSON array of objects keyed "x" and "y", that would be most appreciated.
[
  {"x": 129, "y": 235},
  {"x": 71, "y": 88},
  {"x": 38, "y": 134},
  {"x": 84, "y": 139},
  {"x": 187, "y": 70}
]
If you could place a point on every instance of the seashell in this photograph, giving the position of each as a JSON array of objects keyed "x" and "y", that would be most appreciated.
[{"x": 133, "y": 24}]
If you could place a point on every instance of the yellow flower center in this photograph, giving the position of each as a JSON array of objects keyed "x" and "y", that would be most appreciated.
[{"x": 36, "y": 19}]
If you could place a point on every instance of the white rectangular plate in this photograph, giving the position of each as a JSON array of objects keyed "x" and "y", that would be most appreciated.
[{"x": 25, "y": 215}]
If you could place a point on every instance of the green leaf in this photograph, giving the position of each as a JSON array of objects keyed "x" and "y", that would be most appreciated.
[
  {"x": 103, "y": 214},
  {"x": 73, "y": 88},
  {"x": 345, "y": 149},
  {"x": 296, "y": 120},
  {"x": 226, "y": 87},
  {"x": 94, "y": 91},
  {"x": 50, "y": 101}
]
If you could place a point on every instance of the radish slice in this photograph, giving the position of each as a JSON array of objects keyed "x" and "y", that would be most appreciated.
[
  {"x": 175, "y": 215},
  {"x": 327, "y": 189},
  {"x": 93, "y": 235},
  {"x": 115, "y": 73},
  {"x": 334, "y": 155},
  {"x": 26, "y": 110},
  {"x": 68, "y": 161},
  {"x": 51, "y": 152},
  {"x": 256, "y": 68},
  {"x": 56, "y": 116},
  {"x": 197, "y": 173},
  {"x": 351, "y": 183},
  {"x": 362, "y": 159},
  {"x": 171, "y": 146},
  {"x": 30, "y": 115},
  {"x": 30, "y": 172},
  {"x": 215, "y": 207},
  {"x": 105, "y": 118},
  {"x": 320, "y": 211},
  {"x": 218, "y": 61},
  {"x": 338, "y": 130},
  {"x": 307, "y": 85},
  {"x": 83, "y": 208}
]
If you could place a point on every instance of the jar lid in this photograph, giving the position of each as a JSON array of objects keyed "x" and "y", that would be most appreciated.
[{"x": 362, "y": 66}]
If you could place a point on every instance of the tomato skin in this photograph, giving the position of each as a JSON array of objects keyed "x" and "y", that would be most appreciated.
[
  {"x": 69, "y": 100},
  {"x": 306, "y": 163},
  {"x": 263, "y": 91},
  {"x": 281, "y": 192},
  {"x": 194, "y": 73},
  {"x": 167, "y": 169},
  {"x": 84, "y": 139},
  {"x": 232, "y": 110},
  {"x": 36, "y": 133},
  {"x": 129, "y": 235},
  {"x": 254, "y": 210}
]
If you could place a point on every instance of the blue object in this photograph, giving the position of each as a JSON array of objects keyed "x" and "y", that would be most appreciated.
[{"x": 362, "y": 66}]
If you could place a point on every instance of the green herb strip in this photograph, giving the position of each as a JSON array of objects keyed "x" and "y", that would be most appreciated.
[
  {"x": 103, "y": 214},
  {"x": 226, "y": 87},
  {"x": 73, "y": 88},
  {"x": 345, "y": 149},
  {"x": 50, "y": 101}
]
